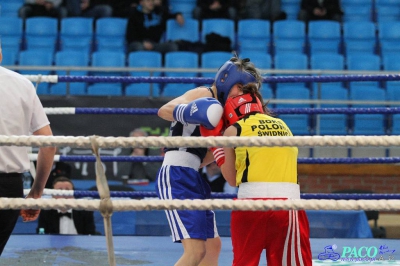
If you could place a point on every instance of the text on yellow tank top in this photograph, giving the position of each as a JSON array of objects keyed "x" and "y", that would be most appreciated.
[{"x": 265, "y": 164}]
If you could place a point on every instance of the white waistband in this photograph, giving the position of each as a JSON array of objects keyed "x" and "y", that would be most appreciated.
[
  {"x": 269, "y": 190},
  {"x": 182, "y": 158}
]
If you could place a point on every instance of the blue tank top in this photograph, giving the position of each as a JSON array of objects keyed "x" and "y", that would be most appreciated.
[{"x": 177, "y": 129}]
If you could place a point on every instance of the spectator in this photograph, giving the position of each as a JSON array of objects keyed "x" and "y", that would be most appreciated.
[
  {"x": 123, "y": 8},
  {"x": 21, "y": 114},
  {"x": 260, "y": 9},
  {"x": 59, "y": 169},
  {"x": 320, "y": 10},
  {"x": 66, "y": 222},
  {"x": 140, "y": 170},
  {"x": 146, "y": 26},
  {"x": 88, "y": 8},
  {"x": 213, "y": 176},
  {"x": 206, "y": 9},
  {"x": 42, "y": 8}
]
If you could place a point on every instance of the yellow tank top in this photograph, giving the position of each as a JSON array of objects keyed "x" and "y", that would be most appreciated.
[{"x": 265, "y": 164}]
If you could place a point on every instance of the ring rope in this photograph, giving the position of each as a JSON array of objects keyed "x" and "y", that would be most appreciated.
[
  {"x": 200, "y": 70},
  {"x": 109, "y": 111},
  {"x": 171, "y": 142},
  {"x": 214, "y": 195},
  {"x": 278, "y": 111},
  {"x": 209, "y": 204},
  {"x": 203, "y": 80},
  {"x": 305, "y": 160}
]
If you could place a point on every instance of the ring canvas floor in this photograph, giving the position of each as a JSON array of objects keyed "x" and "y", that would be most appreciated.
[{"x": 62, "y": 250}]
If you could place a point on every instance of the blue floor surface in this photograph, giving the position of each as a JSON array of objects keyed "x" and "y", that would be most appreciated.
[{"x": 64, "y": 250}]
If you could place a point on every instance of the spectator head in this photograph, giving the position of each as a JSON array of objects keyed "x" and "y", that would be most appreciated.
[
  {"x": 146, "y": 6},
  {"x": 63, "y": 183},
  {"x": 61, "y": 169},
  {"x": 138, "y": 132}
]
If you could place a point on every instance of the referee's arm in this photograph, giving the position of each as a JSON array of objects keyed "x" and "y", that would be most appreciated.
[{"x": 44, "y": 164}]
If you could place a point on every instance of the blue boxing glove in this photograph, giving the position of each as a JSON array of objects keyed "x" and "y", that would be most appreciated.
[{"x": 204, "y": 111}]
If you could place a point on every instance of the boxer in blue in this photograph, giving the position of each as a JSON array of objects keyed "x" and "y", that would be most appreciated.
[{"x": 178, "y": 178}]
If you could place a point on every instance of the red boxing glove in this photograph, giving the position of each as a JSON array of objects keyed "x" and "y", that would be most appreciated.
[
  {"x": 219, "y": 154},
  {"x": 215, "y": 132}
]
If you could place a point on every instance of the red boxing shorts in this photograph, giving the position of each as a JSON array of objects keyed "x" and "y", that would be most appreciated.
[{"x": 283, "y": 234}]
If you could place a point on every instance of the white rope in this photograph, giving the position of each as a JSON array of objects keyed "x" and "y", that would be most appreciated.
[
  {"x": 211, "y": 204},
  {"x": 59, "y": 110},
  {"x": 143, "y": 142},
  {"x": 42, "y": 78},
  {"x": 33, "y": 157},
  {"x": 54, "y": 192}
]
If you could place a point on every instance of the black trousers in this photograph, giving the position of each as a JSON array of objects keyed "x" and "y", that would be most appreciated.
[{"x": 11, "y": 186}]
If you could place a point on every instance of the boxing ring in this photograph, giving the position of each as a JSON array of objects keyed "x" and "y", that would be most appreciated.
[{"x": 124, "y": 250}]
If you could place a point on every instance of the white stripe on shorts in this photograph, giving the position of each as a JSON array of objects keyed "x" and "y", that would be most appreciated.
[{"x": 165, "y": 189}]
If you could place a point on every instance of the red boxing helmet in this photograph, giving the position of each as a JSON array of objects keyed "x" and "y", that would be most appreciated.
[{"x": 239, "y": 106}]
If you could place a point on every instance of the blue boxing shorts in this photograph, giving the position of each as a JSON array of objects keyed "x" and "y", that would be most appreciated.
[{"x": 178, "y": 178}]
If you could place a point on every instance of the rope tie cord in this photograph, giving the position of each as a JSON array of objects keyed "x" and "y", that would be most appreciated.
[
  {"x": 106, "y": 205},
  {"x": 106, "y": 208},
  {"x": 39, "y": 79}
]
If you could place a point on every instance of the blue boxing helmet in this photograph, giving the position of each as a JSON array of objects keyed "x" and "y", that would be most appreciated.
[{"x": 228, "y": 75}]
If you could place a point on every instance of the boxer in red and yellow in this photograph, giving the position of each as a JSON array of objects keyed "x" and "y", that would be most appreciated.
[{"x": 261, "y": 173}]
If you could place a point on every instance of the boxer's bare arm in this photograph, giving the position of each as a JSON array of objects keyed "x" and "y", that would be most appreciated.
[
  {"x": 208, "y": 159},
  {"x": 228, "y": 169}
]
